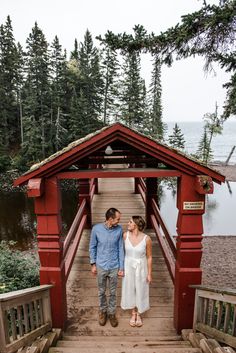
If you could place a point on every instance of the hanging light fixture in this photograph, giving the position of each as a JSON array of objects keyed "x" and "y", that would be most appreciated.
[{"x": 108, "y": 150}]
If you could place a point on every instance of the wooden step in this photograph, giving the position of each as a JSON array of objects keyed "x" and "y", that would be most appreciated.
[{"x": 131, "y": 349}]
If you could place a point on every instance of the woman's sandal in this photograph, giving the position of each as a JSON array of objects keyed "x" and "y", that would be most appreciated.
[
  {"x": 139, "y": 321},
  {"x": 132, "y": 320}
]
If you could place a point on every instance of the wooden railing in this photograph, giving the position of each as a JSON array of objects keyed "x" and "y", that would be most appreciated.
[
  {"x": 166, "y": 241},
  {"x": 142, "y": 189},
  {"x": 73, "y": 237},
  {"x": 215, "y": 313},
  {"x": 24, "y": 315}
]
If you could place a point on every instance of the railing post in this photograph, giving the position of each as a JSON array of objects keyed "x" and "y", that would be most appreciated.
[
  {"x": 84, "y": 193},
  {"x": 151, "y": 193},
  {"x": 3, "y": 333},
  {"x": 52, "y": 269},
  {"x": 189, "y": 250}
]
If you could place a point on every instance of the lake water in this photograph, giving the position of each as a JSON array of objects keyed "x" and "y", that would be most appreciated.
[{"x": 221, "y": 144}]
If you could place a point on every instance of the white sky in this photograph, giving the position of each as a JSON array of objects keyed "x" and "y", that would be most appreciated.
[{"x": 187, "y": 93}]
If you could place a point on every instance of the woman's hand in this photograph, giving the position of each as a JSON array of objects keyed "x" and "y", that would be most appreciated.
[{"x": 149, "y": 279}]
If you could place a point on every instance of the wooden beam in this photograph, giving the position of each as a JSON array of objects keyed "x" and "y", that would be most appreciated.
[
  {"x": 120, "y": 173},
  {"x": 35, "y": 187}
]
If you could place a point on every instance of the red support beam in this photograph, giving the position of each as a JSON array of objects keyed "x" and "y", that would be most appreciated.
[
  {"x": 191, "y": 207},
  {"x": 151, "y": 193},
  {"x": 119, "y": 173},
  {"x": 35, "y": 187},
  {"x": 52, "y": 266}
]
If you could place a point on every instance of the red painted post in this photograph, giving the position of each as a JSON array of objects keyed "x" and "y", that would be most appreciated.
[
  {"x": 191, "y": 207},
  {"x": 52, "y": 269},
  {"x": 151, "y": 184},
  {"x": 84, "y": 193}
]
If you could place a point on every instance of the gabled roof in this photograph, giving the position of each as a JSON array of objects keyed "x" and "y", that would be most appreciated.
[{"x": 86, "y": 146}]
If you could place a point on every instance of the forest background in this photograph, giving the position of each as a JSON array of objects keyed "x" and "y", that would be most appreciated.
[{"x": 50, "y": 97}]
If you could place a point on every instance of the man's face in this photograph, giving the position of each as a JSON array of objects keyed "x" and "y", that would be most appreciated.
[{"x": 114, "y": 221}]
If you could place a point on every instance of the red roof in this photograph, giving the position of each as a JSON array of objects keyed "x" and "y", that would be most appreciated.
[{"x": 91, "y": 143}]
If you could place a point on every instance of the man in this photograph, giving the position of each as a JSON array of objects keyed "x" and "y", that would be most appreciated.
[{"x": 107, "y": 262}]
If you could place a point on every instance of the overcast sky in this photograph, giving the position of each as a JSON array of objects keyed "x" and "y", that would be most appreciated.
[{"x": 187, "y": 92}]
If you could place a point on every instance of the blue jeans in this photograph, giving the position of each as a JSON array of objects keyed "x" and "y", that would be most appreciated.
[{"x": 105, "y": 277}]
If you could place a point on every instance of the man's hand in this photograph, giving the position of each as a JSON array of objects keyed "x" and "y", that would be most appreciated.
[
  {"x": 94, "y": 269},
  {"x": 120, "y": 273}
]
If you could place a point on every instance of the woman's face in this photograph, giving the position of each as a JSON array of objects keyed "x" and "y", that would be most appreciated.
[{"x": 131, "y": 225}]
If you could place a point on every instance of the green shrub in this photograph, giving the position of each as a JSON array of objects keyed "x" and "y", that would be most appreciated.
[{"x": 18, "y": 270}]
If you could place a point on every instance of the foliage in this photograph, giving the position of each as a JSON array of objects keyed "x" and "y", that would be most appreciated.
[
  {"x": 133, "y": 92},
  {"x": 156, "y": 126},
  {"x": 176, "y": 140},
  {"x": 209, "y": 32},
  {"x": 17, "y": 271}
]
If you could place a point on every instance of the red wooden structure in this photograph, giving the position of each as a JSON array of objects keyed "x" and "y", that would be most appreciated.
[{"x": 147, "y": 160}]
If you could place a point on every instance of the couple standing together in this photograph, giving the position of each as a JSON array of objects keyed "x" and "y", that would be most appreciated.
[{"x": 129, "y": 255}]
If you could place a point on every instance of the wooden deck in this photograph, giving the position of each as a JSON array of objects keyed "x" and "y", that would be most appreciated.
[{"x": 83, "y": 330}]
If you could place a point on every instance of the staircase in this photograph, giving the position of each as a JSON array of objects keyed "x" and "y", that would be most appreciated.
[{"x": 83, "y": 333}]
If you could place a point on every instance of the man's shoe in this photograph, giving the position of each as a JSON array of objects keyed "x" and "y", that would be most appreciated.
[
  {"x": 113, "y": 320},
  {"x": 102, "y": 318}
]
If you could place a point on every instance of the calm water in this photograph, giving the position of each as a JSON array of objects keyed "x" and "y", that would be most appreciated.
[
  {"x": 221, "y": 144},
  {"x": 219, "y": 218},
  {"x": 17, "y": 219}
]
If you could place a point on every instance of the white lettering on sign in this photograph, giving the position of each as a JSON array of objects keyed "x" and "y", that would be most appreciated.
[{"x": 194, "y": 205}]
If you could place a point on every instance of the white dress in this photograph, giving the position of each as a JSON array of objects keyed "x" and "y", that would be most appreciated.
[{"x": 135, "y": 288}]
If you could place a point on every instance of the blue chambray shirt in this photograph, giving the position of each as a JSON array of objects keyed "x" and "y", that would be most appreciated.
[{"x": 106, "y": 247}]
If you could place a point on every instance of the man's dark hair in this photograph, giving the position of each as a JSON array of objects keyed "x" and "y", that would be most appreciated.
[{"x": 111, "y": 213}]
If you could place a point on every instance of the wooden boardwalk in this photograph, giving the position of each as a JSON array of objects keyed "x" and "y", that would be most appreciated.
[{"x": 83, "y": 331}]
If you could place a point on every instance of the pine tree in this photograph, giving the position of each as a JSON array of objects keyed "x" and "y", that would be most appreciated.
[
  {"x": 204, "y": 151},
  {"x": 58, "y": 103},
  {"x": 176, "y": 140},
  {"x": 110, "y": 69},
  {"x": 132, "y": 92},
  {"x": 10, "y": 129},
  {"x": 156, "y": 126},
  {"x": 74, "y": 55},
  {"x": 36, "y": 105},
  {"x": 88, "y": 94}
]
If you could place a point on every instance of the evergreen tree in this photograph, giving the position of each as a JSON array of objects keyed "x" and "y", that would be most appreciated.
[
  {"x": 132, "y": 98},
  {"x": 155, "y": 124},
  {"x": 204, "y": 151},
  {"x": 110, "y": 68},
  {"x": 36, "y": 106},
  {"x": 9, "y": 127},
  {"x": 75, "y": 53},
  {"x": 209, "y": 32},
  {"x": 176, "y": 140},
  {"x": 58, "y": 103},
  {"x": 87, "y": 95}
]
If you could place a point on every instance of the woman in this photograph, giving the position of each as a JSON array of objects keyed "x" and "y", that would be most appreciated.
[{"x": 138, "y": 270}]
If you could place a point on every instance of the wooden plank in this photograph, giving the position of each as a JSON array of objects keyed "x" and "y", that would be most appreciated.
[
  {"x": 20, "y": 320},
  {"x": 26, "y": 317},
  {"x": 13, "y": 323},
  {"x": 27, "y": 339},
  {"x": 218, "y": 335},
  {"x": 208, "y": 345},
  {"x": 227, "y": 317},
  {"x": 219, "y": 315}
]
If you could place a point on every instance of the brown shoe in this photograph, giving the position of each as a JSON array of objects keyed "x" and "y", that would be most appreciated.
[
  {"x": 102, "y": 319},
  {"x": 113, "y": 320}
]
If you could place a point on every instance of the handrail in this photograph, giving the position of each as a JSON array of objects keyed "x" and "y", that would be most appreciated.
[
  {"x": 142, "y": 193},
  {"x": 168, "y": 259},
  {"x": 167, "y": 234},
  {"x": 142, "y": 183},
  {"x": 215, "y": 313},
  {"x": 92, "y": 192},
  {"x": 72, "y": 251},
  {"x": 24, "y": 316},
  {"x": 73, "y": 227}
]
